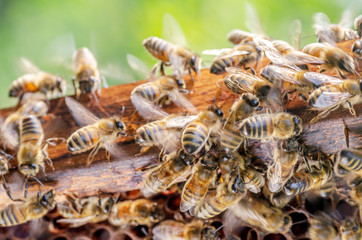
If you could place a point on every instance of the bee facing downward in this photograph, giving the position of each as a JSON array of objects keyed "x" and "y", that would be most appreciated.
[{"x": 96, "y": 133}]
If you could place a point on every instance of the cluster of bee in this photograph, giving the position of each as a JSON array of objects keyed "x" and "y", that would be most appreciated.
[{"x": 210, "y": 150}]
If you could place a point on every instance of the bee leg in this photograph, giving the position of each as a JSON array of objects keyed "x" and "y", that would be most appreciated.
[
  {"x": 51, "y": 141},
  {"x": 340, "y": 74},
  {"x": 95, "y": 96},
  {"x": 162, "y": 70},
  {"x": 104, "y": 82},
  {"x": 350, "y": 108},
  {"x": 253, "y": 71},
  {"x": 76, "y": 90},
  {"x": 92, "y": 154},
  {"x": 143, "y": 151},
  {"x": 46, "y": 156},
  {"x": 346, "y": 133},
  {"x": 108, "y": 156},
  {"x": 324, "y": 114},
  {"x": 7, "y": 190},
  {"x": 191, "y": 76},
  {"x": 26, "y": 186}
]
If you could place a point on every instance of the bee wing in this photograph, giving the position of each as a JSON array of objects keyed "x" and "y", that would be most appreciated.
[
  {"x": 81, "y": 115},
  {"x": 60, "y": 50},
  {"x": 296, "y": 33},
  {"x": 322, "y": 28},
  {"x": 115, "y": 71},
  {"x": 216, "y": 51},
  {"x": 76, "y": 222},
  {"x": 181, "y": 101},
  {"x": 147, "y": 109},
  {"x": 319, "y": 79},
  {"x": 169, "y": 139},
  {"x": 300, "y": 58},
  {"x": 234, "y": 53},
  {"x": 177, "y": 65},
  {"x": 113, "y": 148},
  {"x": 172, "y": 31},
  {"x": 26, "y": 66},
  {"x": 9, "y": 135},
  {"x": 179, "y": 121},
  {"x": 328, "y": 99},
  {"x": 252, "y": 20},
  {"x": 346, "y": 20},
  {"x": 138, "y": 65}
]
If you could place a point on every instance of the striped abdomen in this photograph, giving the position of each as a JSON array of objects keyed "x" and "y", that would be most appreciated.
[
  {"x": 158, "y": 47},
  {"x": 253, "y": 180},
  {"x": 351, "y": 160},
  {"x": 315, "y": 49},
  {"x": 151, "y": 134},
  {"x": 31, "y": 130},
  {"x": 169, "y": 229},
  {"x": 195, "y": 136},
  {"x": 320, "y": 98},
  {"x": 230, "y": 139},
  {"x": 25, "y": 83},
  {"x": 283, "y": 47},
  {"x": 257, "y": 127},
  {"x": 149, "y": 91},
  {"x": 123, "y": 213},
  {"x": 300, "y": 182},
  {"x": 83, "y": 139},
  {"x": 219, "y": 64},
  {"x": 13, "y": 215}
]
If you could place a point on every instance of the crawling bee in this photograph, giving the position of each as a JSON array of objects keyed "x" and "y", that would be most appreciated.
[
  {"x": 259, "y": 213},
  {"x": 328, "y": 98},
  {"x": 201, "y": 132},
  {"x": 136, "y": 212},
  {"x": 321, "y": 227},
  {"x": 96, "y": 133},
  {"x": 148, "y": 97},
  {"x": 87, "y": 77},
  {"x": 203, "y": 175},
  {"x": 245, "y": 106},
  {"x": 348, "y": 161},
  {"x": 78, "y": 212},
  {"x": 169, "y": 53},
  {"x": 197, "y": 229},
  {"x": 164, "y": 175},
  {"x": 350, "y": 230},
  {"x": 271, "y": 126},
  {"x": 33, "y": 208},
  {"x": 38, "y": 81}
]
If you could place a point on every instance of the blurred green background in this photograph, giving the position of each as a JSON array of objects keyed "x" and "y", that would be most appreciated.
[{"x": 39, "y": 29}]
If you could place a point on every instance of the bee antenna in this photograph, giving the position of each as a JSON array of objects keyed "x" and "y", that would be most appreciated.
[
  {"x": 222, "y": 225},
  {"x": 38, "y": 181},
  {"x": 122, "y": 111},
  {"x": 117, "y": 197}
]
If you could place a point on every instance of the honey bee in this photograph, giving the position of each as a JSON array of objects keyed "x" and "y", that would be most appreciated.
[
  {"x": 245, "y": 106},
  {"x": 203, "y": 175},
  {"x": 78, "y": 212},
  {"x": 136, "y": 212},
  {"x": 348, "y": 161},
  {"x": 321, "y": 227},
  {"x": 281, "y": 169},
  {"x": 328, "y": 98},
  {"x": 350, "y": 230},
  {"x": 259, "y": 213},
  {"x": 237, "y": 36},
  {"x": 304, "y": 180},
  {"x": 327, "y": 32},
  {"x": 164, "y": 175},
  {"x": 357, "y": 48},
  {"x": 87, "y": 77},
  {"x": 197, "y": 229},
  {"x": 149, "y": 97},
  {"x": 38, "y": 81},
  {"x": 200, "y": 132},
  {"x": 271, "y": 126},
  {"x": 169, "y": 53},
  {"x": 96, "y": 133},
  {"x": 334, "y": 58},
  {"x": 33, "y": 208},
  {"x": 164, "y": 133}
]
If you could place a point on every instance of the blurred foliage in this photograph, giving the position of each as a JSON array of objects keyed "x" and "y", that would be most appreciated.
[{"x": 113, "y": 28}]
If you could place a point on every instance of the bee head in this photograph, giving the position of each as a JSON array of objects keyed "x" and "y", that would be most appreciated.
[
  {"x": 120, "y": 126},
  {"x": 251, "y": 100},
  {"x": 216, "y": 110},
  {"x": 298, "y": 127},
  {"x": 157, "y": 214},
  {"x": 47, "y": 200},
  {"x": 209, "y": 233},
  {"x": 108, "y": 205}
]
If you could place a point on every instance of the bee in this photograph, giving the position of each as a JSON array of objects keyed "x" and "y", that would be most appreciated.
[
  {"x": 87, "y": 77},
  {"x": 334, "y": 58},
  {"x": 245, "y": 106},
  {"x": 358, "y": 25},
  {"x": 239, "y": 82},
  {"x": 278, "y": 199},
  {"x": 78, "y": 212},
  {"x": 203, "y": 175},
  {"x": 96, "y": 133},
  {"x": 259, "y": 213},
  {"x": 136, "y": 212},
  {"x": 164, "y": 175},
  {"x": 237, "y": 36},
  {"x": 200, "y": 132},
  {"x": 271, "y": 126},
  {"x": 348, "y": 161},
  {"x": 327, "y": 32},
  {"x": 149, "y": 97},
  {"x": 33, "y": 208},
  {"x": 355, "y": 194},
  {"x": 4, "y": 169},
  {"x": 321, "y": 228},
  {"x": 164, "y": 133},
  {"x": 197, "y": 229},
  {"x": 357, "y": 48},
  {"x": 350, "y": 230},
  {"x": 328, "y": 98},
  {"x": 175, "y": 55},
  {"x": 38, "y": 81},
  {"x": 305, "y": 180},
  {"x": 281, "y": 169}
]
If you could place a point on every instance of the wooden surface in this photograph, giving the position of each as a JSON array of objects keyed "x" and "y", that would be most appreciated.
[{"x": 72, "y": 175}]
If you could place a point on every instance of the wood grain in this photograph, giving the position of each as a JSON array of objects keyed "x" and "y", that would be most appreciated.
[{"x": 72, "y": 175}]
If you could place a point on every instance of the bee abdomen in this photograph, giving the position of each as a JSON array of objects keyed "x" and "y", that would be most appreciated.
[
  {"x": 148, "y": 92},
  {"x": 194, "y": 137},
  {"x": 30, "y": 130},
  {"x": 257, "y": 127},
  {"x": 159, "y": 48},
  {"x": 83, "y": 139},
  {"x": 351, "y": 160},
  {"x": 230, "y": 139},
  {"x": 150, "y": 134},
  {"x": 212, "y": 207},
  {"x": 12, "y": 216},
  {"x": 298, "y": 183}
]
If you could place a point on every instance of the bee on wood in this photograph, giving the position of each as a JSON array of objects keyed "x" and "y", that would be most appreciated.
[
  {"x": 200, "y": 133},
  {"x": 328, "y": 98},
  {"x": 87, "y": 77},
  {"x": 197, "y": 229},
  {"x": 78, "y": 212},
  {"x": 33, "y": 208},
  {"x": 37, "y": 81},
  {"x": 95, "y": 134},
  {"x": 136, "y": 212},
  {"x": 172, "y": 166},
  {"x": 348, "y": 161}
]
